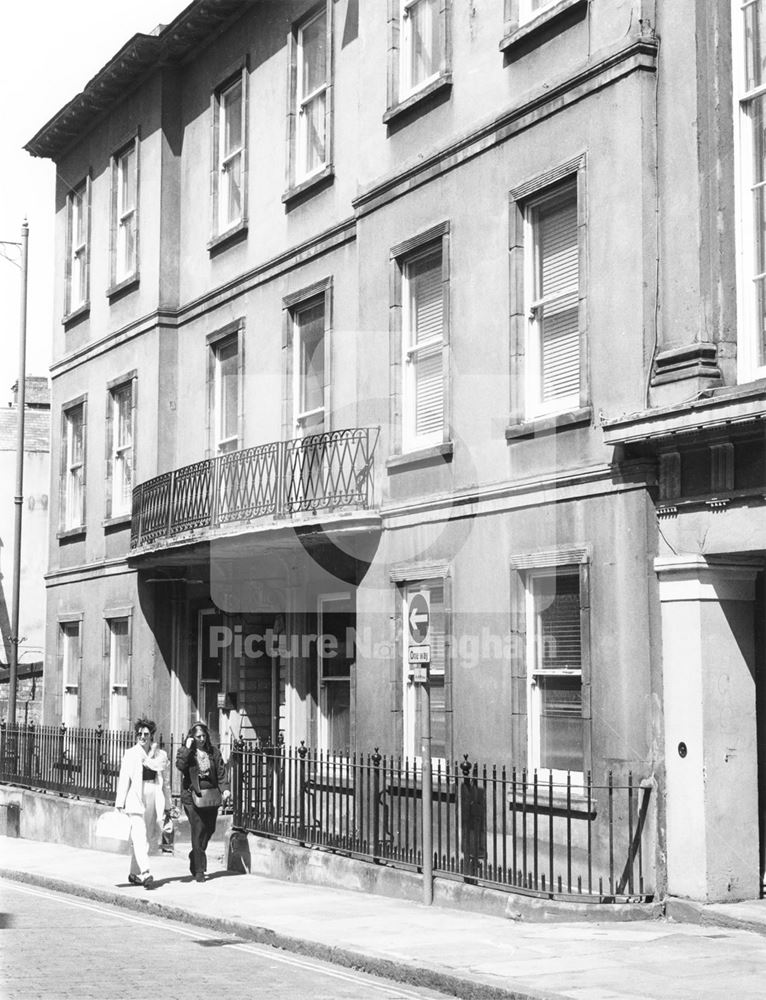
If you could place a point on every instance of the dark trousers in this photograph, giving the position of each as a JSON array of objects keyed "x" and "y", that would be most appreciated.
[{"x": 202, "y": 828}]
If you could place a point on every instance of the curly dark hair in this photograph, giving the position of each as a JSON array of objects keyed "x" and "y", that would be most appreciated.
[{"x": 149, "y": 724}]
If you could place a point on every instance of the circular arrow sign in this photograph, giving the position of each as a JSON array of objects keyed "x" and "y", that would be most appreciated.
[{"x": 419, "y": 617}]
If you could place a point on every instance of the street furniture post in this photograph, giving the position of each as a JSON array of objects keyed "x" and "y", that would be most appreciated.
[
  {"x": 428, "y": 850},
  {"x": 18, "y": 498}
]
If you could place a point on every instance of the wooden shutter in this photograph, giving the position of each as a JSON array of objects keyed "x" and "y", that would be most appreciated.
[{"x": 558, "y": 262}]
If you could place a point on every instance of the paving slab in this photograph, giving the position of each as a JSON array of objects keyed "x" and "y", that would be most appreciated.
[{"x": 464, "y": 954}]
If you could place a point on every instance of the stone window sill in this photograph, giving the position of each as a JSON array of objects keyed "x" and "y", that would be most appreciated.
[
  {"x": 227, "y": 239},
  {"x": 71, "y": 534},
  {"x": 525, "y": 32},
  {"x": 318, "y": 181},
  {"x": 549, "y": 424},
  {"x": 421, "y": 457},
  {"x": 441, "y": 83},
  {"x": 81, "y": 312},
  {"x": 121, "y": 288},
  {"x": 118, "y": 521}
]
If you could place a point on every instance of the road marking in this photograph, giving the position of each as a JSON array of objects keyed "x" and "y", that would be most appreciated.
[{"x": 264, "y": 951}]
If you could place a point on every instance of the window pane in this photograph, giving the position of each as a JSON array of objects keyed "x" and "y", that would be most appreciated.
[
  {"x": 337, "y": 702},
  {"x": 424, "y": 40},
  {"x": 231, "y": 200},
  {"x": 70, "y": 639},
  {"x": 118, "y": 651},
  {"x": 231, "y": 114},
  {"x": 75, "y": 437},
  {"x": 561, "y": 723},
  {"x": 227, "y": 395},
  {"x": 311, "y": 357},
  {"x": 313, "y": 132},
  {"x": 127, "y": 172},
  {"x": 123, "y": 416},
  {"x": 429, "y": 391},
  {"x": 755, "y": 44},
  {"x": 314, "y": 54}
]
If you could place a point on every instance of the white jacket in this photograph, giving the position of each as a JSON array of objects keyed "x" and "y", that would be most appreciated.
[{"x": 130, "y": 783}]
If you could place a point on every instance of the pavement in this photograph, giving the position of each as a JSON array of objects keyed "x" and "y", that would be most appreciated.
[{"x": 711, "y": 953}]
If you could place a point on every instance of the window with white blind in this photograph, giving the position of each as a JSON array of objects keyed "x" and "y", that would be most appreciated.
[
  {"x": 229, "y": 176},
  {"x": 77, "y": 247},
  {"x": 69, "y": 655},
  {"x": 554, "y": 670},
  {"x": 309, "y": 367},
  {"x": 552, "y": 293},
  {"x": 423, "y": 349},
  {"x": 412, "y": 693},
  {"x": 312, "y": 82},
  {"x": 118, "y": 651},
  {"x": 125, "y": 214},
  {"x": 749, "y": 69},
  {"x": 73, "y": 467},
  {"x": 120, "y": 432}
]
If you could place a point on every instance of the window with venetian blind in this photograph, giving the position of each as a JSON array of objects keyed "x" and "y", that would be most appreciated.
[
  {"x": 552, "y": 292},
  {"x": 554, "y": 663},
  {"x": 423, "y": 343}
]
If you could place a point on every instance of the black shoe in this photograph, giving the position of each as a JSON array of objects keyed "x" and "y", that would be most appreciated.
[
  {"x": 199, "y": 877},
  {"x": 148, "y": 882},
  {"x": 134, "y": 879}
]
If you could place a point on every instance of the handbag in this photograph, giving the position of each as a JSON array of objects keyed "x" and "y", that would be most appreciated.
[{"x": 207, "y": 798}]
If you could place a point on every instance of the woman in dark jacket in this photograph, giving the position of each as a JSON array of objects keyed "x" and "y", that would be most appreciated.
[{"x": 205, "y": 785}]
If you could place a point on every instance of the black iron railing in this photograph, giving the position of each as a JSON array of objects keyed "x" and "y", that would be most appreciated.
[
  {"x": 79, "y": 762},
  {"x": 499, "y": 827},
  {"x": 316, "y": 472}
]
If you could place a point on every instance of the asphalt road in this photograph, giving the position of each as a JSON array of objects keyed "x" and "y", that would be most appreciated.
[{"x": 57, "y": 947}]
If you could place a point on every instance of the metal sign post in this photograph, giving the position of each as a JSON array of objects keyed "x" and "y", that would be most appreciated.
[{"x": 419, "y": 658}]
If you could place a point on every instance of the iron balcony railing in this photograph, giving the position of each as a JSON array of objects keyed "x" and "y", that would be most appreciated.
[
  {"x": 506, "y": 828},
  {"x": 279, "y": 479}
]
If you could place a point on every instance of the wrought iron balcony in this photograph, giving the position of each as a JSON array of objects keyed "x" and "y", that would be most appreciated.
[{"x": 319, "y": 472}]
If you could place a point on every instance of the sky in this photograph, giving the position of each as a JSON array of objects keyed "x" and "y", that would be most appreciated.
[{"x": 48, "y": 52}]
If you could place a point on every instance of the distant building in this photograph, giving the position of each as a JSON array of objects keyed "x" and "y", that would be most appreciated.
[{"x": 34, "y": 544}]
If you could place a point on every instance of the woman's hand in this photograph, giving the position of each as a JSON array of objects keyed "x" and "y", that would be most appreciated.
[
  {"x": 189, "y": 742},
  {"x": 226, "y": 795}
]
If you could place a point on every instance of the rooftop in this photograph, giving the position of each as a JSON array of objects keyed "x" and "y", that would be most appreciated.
[{"x": 135, "y": 61}]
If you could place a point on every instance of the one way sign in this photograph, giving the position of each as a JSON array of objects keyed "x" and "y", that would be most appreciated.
[{"x": 419, "y": 616}]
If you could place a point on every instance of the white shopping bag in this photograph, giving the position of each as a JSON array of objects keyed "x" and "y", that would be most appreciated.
[{"x": 113, "y": 832}]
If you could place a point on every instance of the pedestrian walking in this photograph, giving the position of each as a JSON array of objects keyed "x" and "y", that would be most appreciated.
[
  {"x": 205, "y": 787},
  {"x": 143, "y": 792}
]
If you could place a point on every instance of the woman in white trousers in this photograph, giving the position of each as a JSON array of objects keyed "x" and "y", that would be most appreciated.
[{"x": 143, "y": 792}]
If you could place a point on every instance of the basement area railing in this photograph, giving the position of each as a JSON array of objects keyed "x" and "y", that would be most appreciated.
[
  {"x": 506, "y": 828},
  {"x": 279, "y": 479},
  {"x": 80, "y": 762}
]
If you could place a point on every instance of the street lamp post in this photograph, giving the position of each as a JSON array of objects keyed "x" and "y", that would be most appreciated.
[{"x": 18, "y": 498}]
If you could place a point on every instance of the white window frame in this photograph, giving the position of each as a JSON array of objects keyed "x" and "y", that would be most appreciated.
[
  {"x": 411, "y": 691},
  {"x": 74, "y": 468},
  {"x": 77, "y": 269},
  {"x": 125, "y": 213},
  {"x": 534, "y": 302},
  {"x": 303, "y": 101},
  {"x": 304, "y": 421},
  {"x": 534, "y": 670},
  {"x": 223, "y": 442},
  {"x": 411, "y": 352},
  {"x": 408, "y": 86},
  {"x": 119, "y": 689},
  {"x": 751, "y": 354},
  {"x": 322, "y": 681},
  {"x": 70, "y": 637},
  {"x": 121, "y": 453},
  {"x": 224, "y": 161}
]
